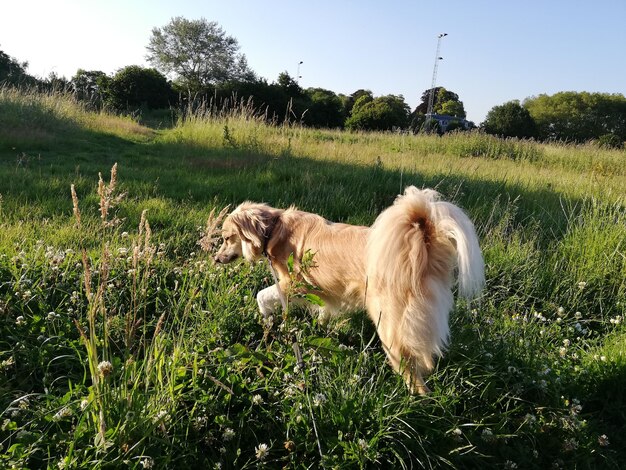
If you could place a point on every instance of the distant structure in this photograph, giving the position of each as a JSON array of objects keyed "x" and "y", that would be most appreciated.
[
  {"x": 431, "y": 96},
  {"x": 445, "y": 121}
]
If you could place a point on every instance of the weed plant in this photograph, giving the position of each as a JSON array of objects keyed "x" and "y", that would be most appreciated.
[{"x": 123, "y": 346}]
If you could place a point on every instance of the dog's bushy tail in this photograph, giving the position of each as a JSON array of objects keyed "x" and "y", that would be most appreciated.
[{"x": 414, "y": 248}]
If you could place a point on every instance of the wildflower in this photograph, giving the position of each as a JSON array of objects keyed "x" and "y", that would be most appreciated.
[
  {"x": 617, "y": 320},
  {"x": 147, "y": 462},
  {"x": 290, "y": 446},
  {"x": 363, "y": 445},
  {"x": 578, "y": 315},
  {"x": 603, "y": 440},
  {"x": 510, "y": 465},
  {"x": 228, "y": 434},
  {"x": 603, "y": 358},
  {"x": 570, "y": 444},
  {"x": 262, "y": 450},
  {"x": 62, "y": 413},
  {"x": 105, "y": 368},
  {"x": 124, "y": 234},
  {"x": 566, "y": 343},
  {"x": 319, "y": 399},
  {"x": 51, "y": 316},
  {"x": 562, "y": 351},
  {"x": 257, "y": 399},
  {"x": 160, "y": 416},
  {"x": 560, "y": 312},
  {"x": 7, "y": 363},
  {"x": 582, "y": 285},
  {"x": 19, "y": 321},
  {"x": 487, "y": 435},
  {"x": 84, "y": 403}
]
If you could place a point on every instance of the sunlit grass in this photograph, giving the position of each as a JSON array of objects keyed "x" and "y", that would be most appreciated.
[{"x": 141, "y": 353}]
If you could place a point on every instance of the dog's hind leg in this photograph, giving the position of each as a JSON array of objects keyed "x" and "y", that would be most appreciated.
[
  {"x": 269, "y": 300},
  {"x": 408, "y": 366}
]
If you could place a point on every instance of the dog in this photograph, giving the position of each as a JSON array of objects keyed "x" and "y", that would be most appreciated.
[{"x": 400, "y": 270}]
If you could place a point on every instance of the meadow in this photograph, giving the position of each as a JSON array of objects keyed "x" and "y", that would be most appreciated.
[{"x": 122, "y": 345}]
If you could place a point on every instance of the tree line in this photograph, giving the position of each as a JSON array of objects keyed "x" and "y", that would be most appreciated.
[{"x": 195, "y": 62}]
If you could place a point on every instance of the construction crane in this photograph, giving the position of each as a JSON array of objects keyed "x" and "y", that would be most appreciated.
[{"x": 431, "y": 96}]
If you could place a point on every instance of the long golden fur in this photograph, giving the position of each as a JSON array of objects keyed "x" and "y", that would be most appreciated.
[{"x": 400, "y": 269}]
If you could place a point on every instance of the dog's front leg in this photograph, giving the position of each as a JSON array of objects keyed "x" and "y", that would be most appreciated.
[{"x": 269, "y": 300}]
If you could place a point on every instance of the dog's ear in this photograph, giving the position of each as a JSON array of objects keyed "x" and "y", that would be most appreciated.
[{"x": 251, "y": 223}]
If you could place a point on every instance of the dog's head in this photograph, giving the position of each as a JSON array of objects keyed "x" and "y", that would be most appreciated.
[{"x": 245, "y": 233}]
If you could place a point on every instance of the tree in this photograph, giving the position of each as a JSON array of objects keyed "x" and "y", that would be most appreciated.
[
  {"x": 90, "y": 85},
  {"x": 198, "y": 53},
  {"x": 510, "y": 120},
  {"x": 382, "y": 113},
  {"x": 578, "y": 116},
  {"x": 349, "y": 101},
  {"x": 133, "y": 87},
  {"x": 13, "y": 72},
  {"x": 444, "y": 101},
  {"x": 324, "y": 110},
  {"x": 289, "y": 85}
]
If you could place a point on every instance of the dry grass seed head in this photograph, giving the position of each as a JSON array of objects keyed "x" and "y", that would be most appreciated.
[{"x": 211, "y": 233}]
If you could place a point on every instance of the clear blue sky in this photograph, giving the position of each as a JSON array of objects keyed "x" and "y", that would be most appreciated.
[{"x": 495, "y": 51}]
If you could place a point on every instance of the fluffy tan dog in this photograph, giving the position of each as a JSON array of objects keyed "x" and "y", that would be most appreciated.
[{"x": 400, "y": 269}]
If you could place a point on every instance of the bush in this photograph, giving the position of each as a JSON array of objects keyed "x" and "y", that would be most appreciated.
[
  {"x": 133, "y": 87},
  {"x": 610, "y": 141}
]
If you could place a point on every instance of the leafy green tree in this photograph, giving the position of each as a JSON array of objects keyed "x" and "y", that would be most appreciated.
[
  {"x": 133, "y": 87},
  {"x": 578, "y": 116},
  {"x": 198, "y": 53},
  {"x": 382, "y": 113},
  {"x": 510, "y": 119},
  {"x": 289, "y": 85},
  {"x": 451, "y": 108},
  {"x": 325, "y": 109},
  {"x": 13, "y": 72},
  {"x": 444, "y": 100},
  {"x": 90, "y": 85},
  {"x": 349, "y": 101}
]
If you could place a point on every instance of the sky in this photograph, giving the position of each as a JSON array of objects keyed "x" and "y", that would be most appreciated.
[{"x": 494, "y": 51}]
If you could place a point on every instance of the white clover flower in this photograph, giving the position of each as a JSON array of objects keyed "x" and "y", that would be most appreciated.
[
  {"x": 51, "y": 316},
  {"x": 105, "y": 368},
  {"x": 147, "y": 462},
  {"x": 566, "y": 343},
  {"x": 603, "y": 440},
  {"x": 562, "y": 351},
  {"x": 582, "y": 285},
  {"x": 319, "y": 399},
  {"x": 570, "y": 445},
  {"x": 19, "y": 321},
  {"x": 487, "y": 435},
  {"x": 560, "y": 312},
  {"x": 363, "y": 444},
  {"x": 228, "y": 434},
  {"x": 257, "y": 399},
  {"x": 160, "y": 416},
  {"x": 262, "y": 451},
  {"x": 578, "y": 315},
  {"x": 124, "y": 234}
]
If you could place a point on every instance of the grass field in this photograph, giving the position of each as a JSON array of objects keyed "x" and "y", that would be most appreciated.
[{"x": 123, "y": 346}]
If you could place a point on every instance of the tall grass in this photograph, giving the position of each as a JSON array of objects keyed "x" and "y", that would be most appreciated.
[{"x": 122, "y": 345}]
